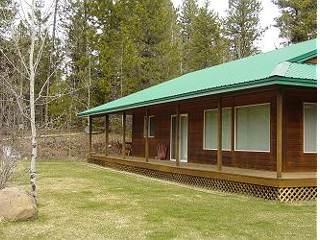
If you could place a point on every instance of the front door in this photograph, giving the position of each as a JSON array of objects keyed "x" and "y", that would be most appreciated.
[{"x": 183, "y": 137}]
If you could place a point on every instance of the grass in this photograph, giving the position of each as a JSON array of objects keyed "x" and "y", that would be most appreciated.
[{"x": 81, "y": 202}]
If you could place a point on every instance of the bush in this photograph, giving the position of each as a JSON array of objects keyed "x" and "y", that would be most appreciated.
[
  {"x": 8, "y": 162},
  {"x": 9, "y": 157}
]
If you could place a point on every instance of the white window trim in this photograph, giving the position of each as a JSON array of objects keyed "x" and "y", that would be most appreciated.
[
  {"x": 235, "y": 128},
  {"x": 172, "y": 116},
  {"x": 144, "y": 127},
  {"x": 303, "y": 120},
  {"x": 204, "y": 127},
  {"x": 187, "y": 140}
]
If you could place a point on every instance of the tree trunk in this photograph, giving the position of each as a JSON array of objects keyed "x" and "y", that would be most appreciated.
[
  {"x": 51, "y": 62},
  {"x": 89, "y": 59},
  {"x": 32, "y": 106}
]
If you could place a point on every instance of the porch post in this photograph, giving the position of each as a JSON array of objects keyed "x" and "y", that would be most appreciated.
[
  {"x": 146, "y": 125},
  {"x": 124, "y": 135},
  {"x": 177, "y": 135},
  {"x": 107, "y": 133},
  {"x": 279, "y": 132},
  {"x": 90, "y": 134},
  {"x": 219, "y": 147},
  {"x": 232, "y": 128}
]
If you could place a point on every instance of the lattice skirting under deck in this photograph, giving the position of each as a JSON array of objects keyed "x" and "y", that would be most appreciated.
[{"x": 283, "y": 194}]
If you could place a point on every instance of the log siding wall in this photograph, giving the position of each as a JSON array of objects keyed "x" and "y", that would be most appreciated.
[{"x": 293, "y": 157}]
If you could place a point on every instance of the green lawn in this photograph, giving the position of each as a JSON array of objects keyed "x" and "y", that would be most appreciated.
[{"x": 81, "y": 202}]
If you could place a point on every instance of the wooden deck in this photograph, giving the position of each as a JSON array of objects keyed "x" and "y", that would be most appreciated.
[{"x": 250, "y": 176}]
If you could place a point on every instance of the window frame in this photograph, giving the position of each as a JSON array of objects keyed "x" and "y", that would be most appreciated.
[
  {"x": 171, "y": 150},
  {"x": 303, "y": 126},
  {"x": 171, "y": 117},
  {"x": 144, "y": 127},
  {"x": 187, "y": 140},
  {"x": 235, "y": 128},
  {"x": 204, "y": 129}
]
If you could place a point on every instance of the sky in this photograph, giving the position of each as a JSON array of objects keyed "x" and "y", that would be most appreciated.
[{"x": 270, "y": 39}]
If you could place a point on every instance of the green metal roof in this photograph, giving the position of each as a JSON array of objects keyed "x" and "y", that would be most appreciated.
[{"x": 281, "y": 66}]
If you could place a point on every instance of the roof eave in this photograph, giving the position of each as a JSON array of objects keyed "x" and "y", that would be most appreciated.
[
  {"x": 304, "y": 57},
  {"x": 274, "y": 80}
]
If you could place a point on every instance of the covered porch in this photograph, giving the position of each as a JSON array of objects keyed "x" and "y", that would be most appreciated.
[
  {"x": 226, "y": 127},
  {"x": 187, "y": 148},
  {"x": 258, "y": 183},
  {"x": 252, "y": 176},
  {"x": 277, "y": 173}
]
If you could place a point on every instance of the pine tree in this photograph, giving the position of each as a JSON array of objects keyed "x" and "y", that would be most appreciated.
[
  {"x": 298, "y": 20},
  {"x": 242, "y": 27},
  {"x": 205, "y": 46},
  {"x": 78, "y": 49},
  {"x": 156, "y": 44},
  {"x": 137, "y": 45},
  {"x": 202, "y": 45},
  {"x": 188, "y": 13}
]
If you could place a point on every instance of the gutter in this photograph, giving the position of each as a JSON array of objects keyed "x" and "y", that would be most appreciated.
[{"x": 274, "y": 80}]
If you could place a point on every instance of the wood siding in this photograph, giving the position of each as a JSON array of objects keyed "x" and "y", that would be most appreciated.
[{"x": 293, "y": 159}]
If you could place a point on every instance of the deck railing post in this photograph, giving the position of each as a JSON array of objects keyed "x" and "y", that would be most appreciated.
[
  {"x": 219, "y": 131},
  {"x": 107, "y": 133},
  {"x": 279, "y": 132},
  {"x": 177, "y": 150},
  {"x": 90, "y": 134},
  {"x": 124, "y": 123},
  {"x": 146, "y": 126}
]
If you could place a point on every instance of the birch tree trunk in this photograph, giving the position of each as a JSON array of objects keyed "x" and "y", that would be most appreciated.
[{"x": 32, "y": 105}]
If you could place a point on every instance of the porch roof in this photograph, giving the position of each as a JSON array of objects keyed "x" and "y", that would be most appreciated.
[{"x": 282, "y": 66}]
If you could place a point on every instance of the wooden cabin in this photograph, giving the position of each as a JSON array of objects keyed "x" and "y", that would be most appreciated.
[{"x": 246, "y": 126}]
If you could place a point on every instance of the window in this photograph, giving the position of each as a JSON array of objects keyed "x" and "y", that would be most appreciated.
[
  {"x": 211, "y": 131},
  {"x": 226, "y": 129},
  {"x": 151, "y": 129},
  {"x": 252, "y": 132},
  {"x": 310, "y": 127}
]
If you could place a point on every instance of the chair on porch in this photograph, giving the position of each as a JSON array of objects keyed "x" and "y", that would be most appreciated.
[
  {"x": 118, "y": 146},
  {"x": 162, "y": 150}
]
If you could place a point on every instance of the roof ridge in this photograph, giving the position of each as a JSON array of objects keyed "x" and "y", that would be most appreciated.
[
  {"x": 253, "y": 56},
  {"x": 264, "y": 69}
]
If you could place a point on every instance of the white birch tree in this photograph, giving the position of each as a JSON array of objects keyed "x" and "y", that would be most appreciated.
[
  {"x": 30, "y": 65},
  {"x": 34, "y": 144}
]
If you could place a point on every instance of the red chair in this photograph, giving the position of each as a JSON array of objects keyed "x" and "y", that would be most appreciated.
[{"x": 162, "y": 151}]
